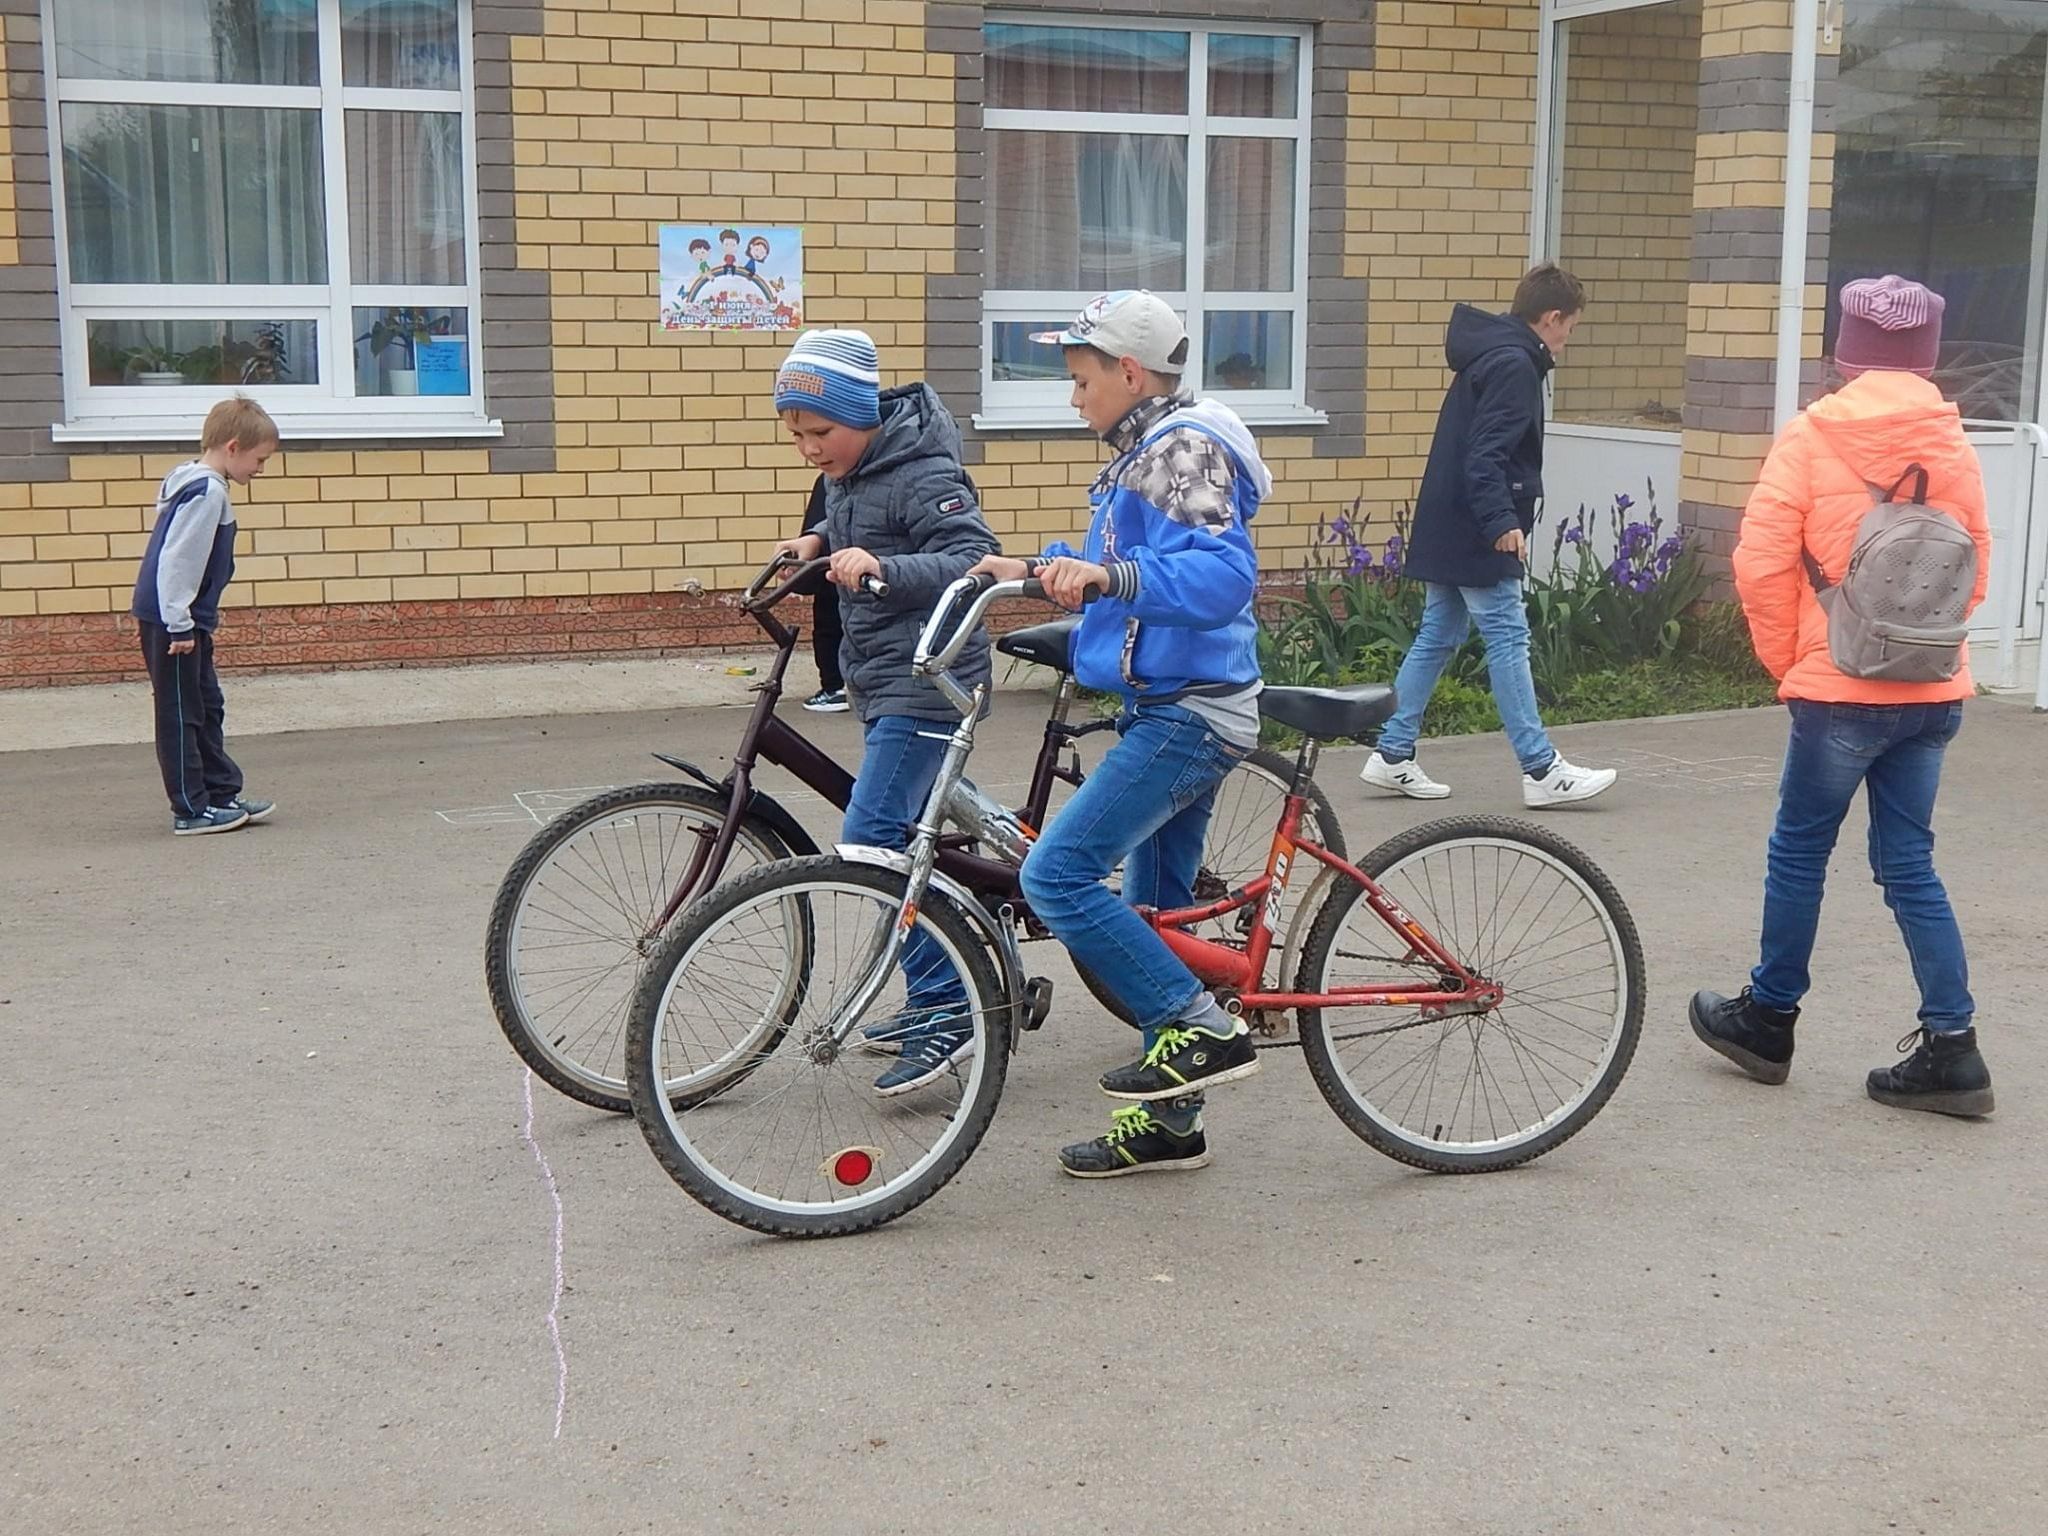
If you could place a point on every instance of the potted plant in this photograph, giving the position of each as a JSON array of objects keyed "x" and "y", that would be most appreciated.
[
  {"x": 407, "y": 327},
  {"x": 156, "y": 365}
]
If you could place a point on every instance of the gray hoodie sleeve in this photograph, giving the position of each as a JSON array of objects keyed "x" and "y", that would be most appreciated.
[
  {"x": 942, "y": 518},
  {"x": 187, "y": 547}
]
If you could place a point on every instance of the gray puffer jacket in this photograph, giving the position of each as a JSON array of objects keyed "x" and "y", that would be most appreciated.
[{"x": 910, "y": 505}]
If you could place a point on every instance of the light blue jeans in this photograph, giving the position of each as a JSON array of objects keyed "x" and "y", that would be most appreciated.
[
  {"x": 1148, "y": 805},
  {"x": 1448, "y": 615}
]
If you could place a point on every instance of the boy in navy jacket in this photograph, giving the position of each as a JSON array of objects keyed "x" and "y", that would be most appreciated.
[
  {"x": 1175, "y": 635},
  {"x": 187, "y": 565}
]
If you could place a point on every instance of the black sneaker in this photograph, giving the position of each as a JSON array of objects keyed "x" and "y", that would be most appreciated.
[
  {"x": 1136, "y": 1143},
  {"x": 1757, "y": 1039},
  {"x": 1183, "y": 1059},
  {"x": 1945, "y": 1074},
  {"x": 827, "y": 701}
]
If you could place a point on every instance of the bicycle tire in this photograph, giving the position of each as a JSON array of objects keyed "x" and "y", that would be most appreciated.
[
  {"x": 663, "y": 1122},
  {"x": 1319, "y": 825},
  {"x": 560, "y": 1068},
  {"x": 1332, "y": 1079}
]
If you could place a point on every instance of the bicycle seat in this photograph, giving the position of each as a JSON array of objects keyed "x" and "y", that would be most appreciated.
[
  {"x": 1328, "y": 713},
  {"x": 1049, "y": 645}
]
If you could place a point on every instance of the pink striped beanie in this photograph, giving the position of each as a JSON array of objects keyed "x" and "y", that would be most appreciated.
[{"x": 1889, "y": 322}]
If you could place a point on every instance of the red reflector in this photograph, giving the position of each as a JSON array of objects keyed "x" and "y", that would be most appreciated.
[{"x": 853, "y": 1167}]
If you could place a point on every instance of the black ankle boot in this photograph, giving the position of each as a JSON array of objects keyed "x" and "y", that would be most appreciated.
[
  {"x": 1945, "y": 1074},
  {"x": 1757, "y": 1039}
]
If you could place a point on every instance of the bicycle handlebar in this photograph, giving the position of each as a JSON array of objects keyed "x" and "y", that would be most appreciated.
[
  {"x": 986, "y": 589},
  {"x": 754, "y": 600}
]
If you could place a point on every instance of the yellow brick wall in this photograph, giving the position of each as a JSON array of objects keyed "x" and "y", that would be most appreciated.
[
  {"x": 670, "y": 461},
  {"x": 1631, "y": 114}
]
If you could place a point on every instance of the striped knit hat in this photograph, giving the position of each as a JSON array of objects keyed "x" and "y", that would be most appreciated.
[
  {"x": 1891, "y": 323},
  {"x": 835, "y": 374}
]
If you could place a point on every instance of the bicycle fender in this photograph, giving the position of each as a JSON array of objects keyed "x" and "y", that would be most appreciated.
[
  {"x": 999, "y": 937},
  {"x": 771, "y": 810},
  {"x": 1305, "y": 916}
]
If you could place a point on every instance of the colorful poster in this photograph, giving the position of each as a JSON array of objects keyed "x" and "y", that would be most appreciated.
[{"x": 731, "y": 277}]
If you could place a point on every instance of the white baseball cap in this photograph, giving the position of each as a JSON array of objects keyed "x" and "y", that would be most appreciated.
[{"x": 1128, "y": 323}]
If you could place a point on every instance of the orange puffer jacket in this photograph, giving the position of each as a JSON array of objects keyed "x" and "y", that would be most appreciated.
[{"x": 1813, "y": 494}]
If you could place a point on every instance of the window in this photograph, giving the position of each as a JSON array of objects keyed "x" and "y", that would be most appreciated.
[
  {"x": 1625, "y": 141},
  {"x": 1136, "y": 156},
  {"x": 1937, "y": 176},
  {"x": 271, "y": 196}
]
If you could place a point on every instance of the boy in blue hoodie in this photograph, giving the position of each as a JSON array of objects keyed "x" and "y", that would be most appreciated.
[
  {"x": 1175, "y": 635},
  {"x": 186, "y": 566}
]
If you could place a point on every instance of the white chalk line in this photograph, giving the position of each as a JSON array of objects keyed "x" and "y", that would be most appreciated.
[{"x": 555, "y": 1305}]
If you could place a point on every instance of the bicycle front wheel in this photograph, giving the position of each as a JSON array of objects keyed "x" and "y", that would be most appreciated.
[
  {"x": 786, "y": 1132},
  {"x": 1458, "y": 1090},
  {"x": 574, "y": 918}
]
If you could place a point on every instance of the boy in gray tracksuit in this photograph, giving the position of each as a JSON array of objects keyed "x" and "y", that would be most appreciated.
[{"x": 186, "y": 567}]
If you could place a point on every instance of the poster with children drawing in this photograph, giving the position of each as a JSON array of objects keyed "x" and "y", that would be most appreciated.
[{"x": 731, "y": 277}]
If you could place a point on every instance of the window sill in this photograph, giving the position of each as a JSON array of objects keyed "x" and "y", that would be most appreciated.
[
  {"x": 1065, "y": 421},
  {"x": 144, "y": 429}
]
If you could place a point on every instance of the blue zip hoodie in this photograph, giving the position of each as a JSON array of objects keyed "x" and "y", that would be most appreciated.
[
  {"x": 1169, "y": 521},
  {"x": 191, "y": 553}
]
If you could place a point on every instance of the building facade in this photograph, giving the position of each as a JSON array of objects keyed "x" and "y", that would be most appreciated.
[{"x": 427, "y": 233}]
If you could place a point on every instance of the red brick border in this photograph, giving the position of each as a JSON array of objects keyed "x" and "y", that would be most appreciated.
[{"x": 52, "y": 650}]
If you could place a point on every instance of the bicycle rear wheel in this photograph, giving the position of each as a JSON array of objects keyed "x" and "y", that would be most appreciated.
[
  {"x": 1477, "y": 1090},
  {"x": 574, "y": 918},
  {"x": 790, "y": 1137}
]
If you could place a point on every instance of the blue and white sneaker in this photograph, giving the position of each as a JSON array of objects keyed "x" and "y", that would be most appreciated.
[
  {"x": 927, "y": 1056},
  {"x": 888, "y": 1037},
  {"x": 219, "y": 818},
  {"x": 255, "y": 810}
]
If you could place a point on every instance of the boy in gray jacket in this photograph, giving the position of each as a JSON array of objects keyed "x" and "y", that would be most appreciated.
[{"x": 897, "y": 506}]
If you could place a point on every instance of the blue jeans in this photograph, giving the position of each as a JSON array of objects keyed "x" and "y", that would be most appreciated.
[
  {"x": 1894, "y": 750},
  {"x": 1147, "y": 806},
  {"x": 897, "y": 769},
  {"x": 1448, "y": 614}
]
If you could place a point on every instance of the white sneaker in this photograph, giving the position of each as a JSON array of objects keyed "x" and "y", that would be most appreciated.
[
  {"x": 1403, "y": 778},
  {"x": 1566, "y": 785}
]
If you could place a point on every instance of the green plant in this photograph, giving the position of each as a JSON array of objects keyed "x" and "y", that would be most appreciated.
[
  {"x": 410, "y": 326},
  {"x": 152, "y": 358}
]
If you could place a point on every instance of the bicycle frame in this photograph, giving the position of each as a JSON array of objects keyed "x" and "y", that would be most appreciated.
[
  {"x": 768, "y": 737},
  {"x": 1242, "y": 971}
]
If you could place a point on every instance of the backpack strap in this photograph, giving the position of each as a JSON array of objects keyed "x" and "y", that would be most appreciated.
[{"x": 1918, "y": 475}]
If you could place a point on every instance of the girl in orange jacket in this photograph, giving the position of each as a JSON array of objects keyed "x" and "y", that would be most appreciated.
[{"x": 1850, "y": 732}]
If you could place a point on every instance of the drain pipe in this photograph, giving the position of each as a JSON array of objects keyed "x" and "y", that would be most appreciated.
[
  {"x": 1798, "y": 211},
  {"x": 2028, "y": 444}
]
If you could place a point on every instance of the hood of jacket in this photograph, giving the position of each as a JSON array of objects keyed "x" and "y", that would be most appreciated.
[
  {"x": 1880, "y": 423},
  {"x": 915, "y": 426},
  {"x": 1221, "y": 421},
  {"x": 1473, "y": 333}
]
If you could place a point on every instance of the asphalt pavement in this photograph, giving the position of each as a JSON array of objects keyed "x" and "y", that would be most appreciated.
[{"x": 282, "y": 1237}]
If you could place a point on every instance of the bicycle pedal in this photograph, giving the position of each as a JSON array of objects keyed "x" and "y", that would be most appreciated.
[{"x": 1037, "y": 1001}]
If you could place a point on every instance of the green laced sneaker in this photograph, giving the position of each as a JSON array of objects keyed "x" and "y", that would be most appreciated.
[
  {"x": 1136, "y": 1143},
  {"x": 1182, "y": 1060}
]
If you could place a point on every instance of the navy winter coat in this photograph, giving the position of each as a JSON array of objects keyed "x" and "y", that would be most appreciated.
[{"x": 1485, "y": 471}]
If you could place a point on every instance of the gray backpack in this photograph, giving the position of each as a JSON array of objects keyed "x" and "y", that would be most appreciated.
[{"x": 1898, "y": 613}]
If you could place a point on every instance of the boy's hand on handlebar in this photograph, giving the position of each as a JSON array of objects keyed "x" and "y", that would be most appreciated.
[
  {"x": 1067, "y": 580},
  {"x": 850, "y": 565},
  {"x": 805, "y": 546},
  {"x": 1001, "y": 567}
]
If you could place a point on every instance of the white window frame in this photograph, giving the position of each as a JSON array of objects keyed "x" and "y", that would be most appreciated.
[
  {"x": 330, "y": 409},
  {"x": 1015, "y": 405}
]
